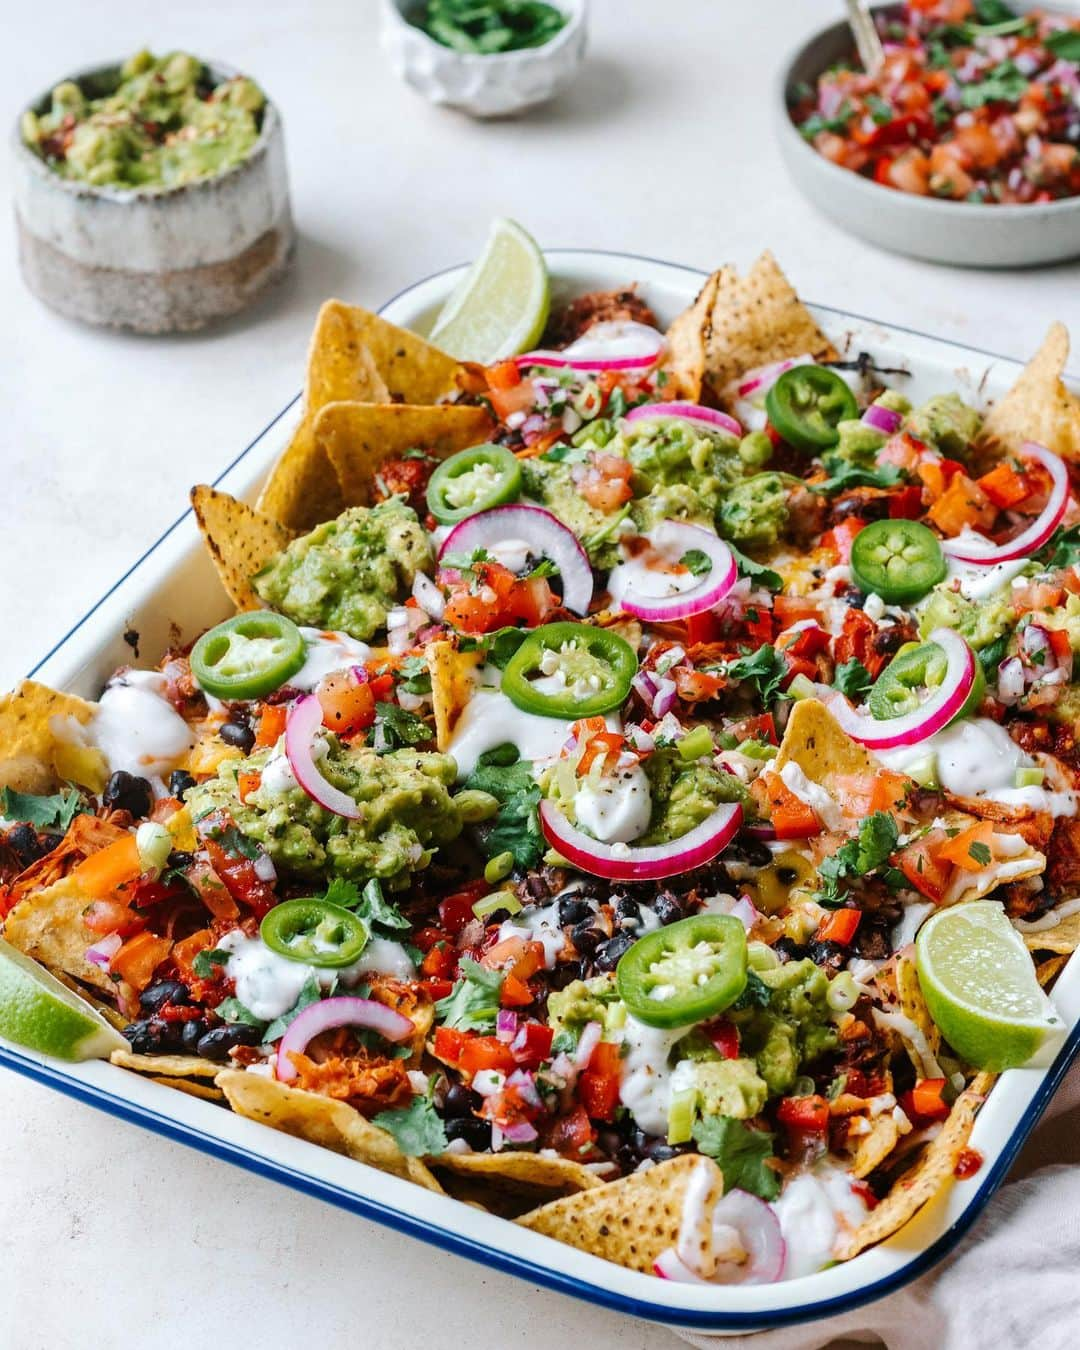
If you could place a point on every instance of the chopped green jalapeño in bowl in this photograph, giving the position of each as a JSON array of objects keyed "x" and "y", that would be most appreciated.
[
  {"x": 160, "y": 122},
  {"x": 486, "y": 27}
]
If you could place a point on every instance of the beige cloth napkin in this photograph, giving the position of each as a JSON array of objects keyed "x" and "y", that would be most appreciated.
[{"x": 1012, "y": 1284}]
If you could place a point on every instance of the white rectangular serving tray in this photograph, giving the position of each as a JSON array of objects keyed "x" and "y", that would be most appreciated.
[{"x": 172, "y": 587}]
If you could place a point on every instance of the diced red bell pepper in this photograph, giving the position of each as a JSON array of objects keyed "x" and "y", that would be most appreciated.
[
  {"x": 456, "y": 910},
  {"x": 437, "y": 989},
  {"x": 240, "y": 879},
  {"x": 485, "y": 1052},
  {"x": 531, "y": 1045},
  {"x": 906, "y": 504},
  {"x": 503, "y": 375},
  {"x": 807, "y": 1114},
  {"x": 1005, "y": 486},
  {"x": 926, "y": 1101},
  {"x": 791, "y": 817},
  {"x": 598, "y": 1086},
  {"x": 440, "y": 962},
  {"x": 841, "y": 926},
  {"x": 271, "y": 725},
  {"x": 449, "y": 1044},
  {"x": 724, "y": 1037},
  {"x": 841, "y": 537},
  {"x": 515, "y": 993},
  {"x": 139, "y": 957}
]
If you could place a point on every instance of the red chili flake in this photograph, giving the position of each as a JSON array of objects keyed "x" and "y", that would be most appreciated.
[{"x": 968, "y": 1163}]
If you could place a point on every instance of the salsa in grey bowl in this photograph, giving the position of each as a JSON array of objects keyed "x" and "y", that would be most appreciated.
[
  {"x": 154, "y": 259},
  {"x": 964, "y": 234}
]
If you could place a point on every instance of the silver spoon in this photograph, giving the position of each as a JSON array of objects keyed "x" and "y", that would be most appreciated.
[{"x": 871, "y": 52}]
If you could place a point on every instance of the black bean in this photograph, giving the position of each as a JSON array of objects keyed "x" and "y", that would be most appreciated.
[
  {"x": 23, "y": 839},
  {"x": 667, "y": 908},
  {"x": 239, "y": 734},
  {"x": 127, "y": 792},
  {"x": 854, "y": 599},
  {"x": 476, "y": 1133},
  {"x": 536, "y": 887},
  {"x": 179, "y": 859},
  {"x": 609, "y": 955},
  {"x": 574, "y": 909},
  {"x": 627, "y": 911},
  {"x": 586, "y": 937},
  {"x": 152, "y": 1036},
  {"x": 461, "y": 1101},
  {"x": 155, "y": 996},
  {"x": 830, "y": 955},
  {"x": 787, "y": 950},
  {"x": 661, "y": 1151},
  {"x": 180, "y": 781},
  {"x": 566, "y": 972},
  {"x": 192, "y": 1034},
  {"x": 216, "y": 1044}
]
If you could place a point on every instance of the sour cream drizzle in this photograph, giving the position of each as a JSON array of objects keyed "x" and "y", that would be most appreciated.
[{"x": 136, "y": 728}]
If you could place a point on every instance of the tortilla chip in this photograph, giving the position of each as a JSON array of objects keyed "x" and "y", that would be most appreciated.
[
  {"x": 630, "y": 1221},
  {"x": 876, "y": 1146},
  {"x": 814, "y": 740},
  {"x": 206, "y": 1091},
  {"x": 759, "y": 319},
  {"x": 360, "y": 437},
  {"x": 1063, "y": 939},
  {"x": 172, "y": 1066},
  {"x": 926, "y": 1178},
  {"x": 302, "y": 490},
  {"x": 533, "y": 1170},
  {"x": 1039, "y": 407},
  {"x": 412, "y": 369},
  {"x": 451, "y": 686},
  {"x": 688, "y": 343},
  {"x": 320, "y": 1120},
  {"x": 912, "y": 1003},
  {"x": 1048, "y": 971},
  {"x": 240, "y": 540},
  {"x": 48, "y": 926},
  {"x": 341, "y": 366},
  {"x": 28, "y": 743}
]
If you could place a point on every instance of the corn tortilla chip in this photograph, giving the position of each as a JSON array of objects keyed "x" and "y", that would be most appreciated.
[
  {"x": 912, "y": 1003},
  {"x": 532, "y": 1170},
  {"x": 341, "y": 366},
  {"x": 320, "y": 1120},
  {"x": 360, "y": 437},
  {"x": 412, "y": 369},
  {"x": 814, "y": 740},
  {"x": 451, "y": 686},
  {"x": 926, "y": 1179},
  {"x": 630, "y": 1221},
  {"x": 240, "y": 540},
  {"x": 688, "y": 343},
  {"x": 171, "y": 1066},
  {"x": 1063, "y": 939},
  {"x": 876, "y": 1146},
  {"x": 206, "y": 1091},
  {"x": 1039, "y": 407},
  {"x": 1048, "y": 971},
  {"x": 48, "y": 926},
  {"x": 28, "y": 744},
  {"x": 758, "y": 319}
]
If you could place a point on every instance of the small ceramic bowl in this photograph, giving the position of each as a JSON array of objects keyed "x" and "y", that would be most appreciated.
[
  {"x": 962, "y": 233},
  {"x": 156, "y": 260},
  {"x": 483, "y": 86}
]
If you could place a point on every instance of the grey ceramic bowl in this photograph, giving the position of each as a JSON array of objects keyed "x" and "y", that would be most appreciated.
[
  {"x": 962, "y": 233},
  {"x": 156, "y": 260}
]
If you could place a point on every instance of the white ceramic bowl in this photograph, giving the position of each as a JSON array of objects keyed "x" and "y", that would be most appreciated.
[
  {"x": 156, "y": 260},
  {"x": 962, "y": 233},
  {"x": 483, "y": 86}
]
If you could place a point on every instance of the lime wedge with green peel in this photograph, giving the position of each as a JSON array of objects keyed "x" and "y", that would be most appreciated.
[
  {"x": 979, "y": 984},
  {"x": 501, "y": 305},
  {"x": 37, "y": 1011}
]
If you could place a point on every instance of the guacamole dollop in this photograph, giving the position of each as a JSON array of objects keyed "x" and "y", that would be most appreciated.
[
  {"x": 163, "y": 124},
  {"x": 947, "y": 423},
  {"x": 347, "y": 573},
  {"x": 406, "y": 812},
  {"x": 584, "y": 1001},
  {"x": 755, "y": 512},
  {"x": 793, "y": 1029},
  {"x": 979, "y": 621},
  {"x": 684, "y": 794},
  {"x": 729, "y": 1087}
]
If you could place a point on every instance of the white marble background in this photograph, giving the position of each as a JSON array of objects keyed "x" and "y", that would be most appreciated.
[{"x": 112, "y": 1237}]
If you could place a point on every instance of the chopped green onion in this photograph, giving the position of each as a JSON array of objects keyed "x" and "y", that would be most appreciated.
[
  {"x": 1029, "y": 777},
  {"x": 843, "y": 993},
  {"x": 497, "y": 900},
  {"x": 804, "y": 1086},
  {"x": 760, "y": 956},
  {"x": 500, "y": 866},
  {"x": 696, "y": 743},
  {"x": 154, "y": 844},
  {"x": 801, "y": 687},
  {"x": 755, "y": 749},
  {"x": 681, "y": 1111},
  {"x": 924, "y": 771}
]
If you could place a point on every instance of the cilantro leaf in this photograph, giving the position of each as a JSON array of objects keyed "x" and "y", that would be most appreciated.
[
  {"x": 414, "y": 676},
  {"x": 765, "y": 669},
  {"x": 502, "y": 645},
  {"x": 844, "y": 476},
  {"x": 1062, "y": 549},
  {"x": 980, "y": 853},
  {"x": 1003, "y": 84},
  {"x": 44, "y": 813},
  {"x": 418, "y": 1129},
  {"x": 838, "y": 123},
  {"x": 516, "y": 827},
  {"x": 207, "y": 962},
  {"x": 696, "y": 562},
  {"x": 473, "y": 1003},
  {"x": 756, "y": 994},
  {"x": 859, "y": 856},
  {"x": 852, "y": 678},
  {"x": 991, "y": 657},
  {"x": 377, "y": 910},
  {"x": 741, "y": 1153},
  {"x": 757, "y": 572},
  {"x": 232, "y": 1010},
  {"x": 1065, "y": 44},
  {"x": 396, "y": 729},
  {"x": 310, "y": 993}
]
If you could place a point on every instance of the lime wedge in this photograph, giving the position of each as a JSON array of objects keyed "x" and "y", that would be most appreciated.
[
  {"x": 980, "y": 987},
  {"x": 501, "y": 305},
  {"x": 37, "y": 1011}
]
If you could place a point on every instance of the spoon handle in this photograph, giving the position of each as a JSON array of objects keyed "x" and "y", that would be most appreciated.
[{"x": 871, "y": 53}]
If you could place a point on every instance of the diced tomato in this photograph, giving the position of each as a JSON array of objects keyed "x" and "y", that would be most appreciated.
[
  {"x": 440, "y": 962},
  {"x": 247, "y": 783},
  {"x": 926, "y": 1101},
  {"x": 426, "y": 938},
  {"x": 724, "y": 1037},
  {"x": 139, "y": 957},
  {"x": 862, "y": 794},
  {"x": 924, "y": 868},
  {"x": 515, "y": 993},
  {"x": 841, "y": 926},
  {"x": 963, "y": 503},
  {"x": 271, "y": 725},
  {"x": 970, "y": 849},
  {"x": 347, "y": 706},
  {"x": 601, "y": 746},
  {"x": 599, "y": 1095},
  {"x": 855, "y": 640},
  {"x": 906, "y": 504},
  {"x": 104, "y": 872},
  {"x": 806, "y": 642},
  {"x": 842, "y": 536},
  {"x": 531, "y": 1045},
  {"x": 573, "y": 1135},
  {"x": 703, "y": 628},
  {"x": 792, "y": 609},
  {"x": 791, "y": 817},
  {"x": 799, "y": 665},
  {"x": 903, "y": 451},
  {"x": 164, "y": 809},
  {"x": 759, "y": 728},
  {"x": 485, "y": 1052},
  {"x": 112, "y": 915},
  {"x": 184, "y": 953},
  {"x": 449, "y": 1044},
  {"x": 506, "y": 402},
  {"x": 1036, "y": 595},
  {"x": 503, "y": 375},
  {"x": 809, "y": 1115},
  {"x": 437, "y": 989},
  {"x": 241, "y": 880},
  {"x": 456, "y": 910},
  {"x": 697, "y": 686},
  {"x": 900, "y": 131},
  {"x": 1005, "y": 486}
]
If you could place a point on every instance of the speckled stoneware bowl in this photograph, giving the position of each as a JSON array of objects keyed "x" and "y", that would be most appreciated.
[
  {"x": 498, "y": 85},
  {"x": 156, "y": 260},
  {"x": 962, "y": 233}
]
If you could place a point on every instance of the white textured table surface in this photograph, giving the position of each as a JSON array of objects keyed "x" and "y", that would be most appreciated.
[{"x": 114, "y": 1237}]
